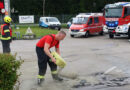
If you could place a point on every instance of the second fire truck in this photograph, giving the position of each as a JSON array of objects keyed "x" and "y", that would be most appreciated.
[{"x": 117, "y": 19}]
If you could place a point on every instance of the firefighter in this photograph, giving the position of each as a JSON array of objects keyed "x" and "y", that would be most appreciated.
[
  {"x": 44, "y": 55},
  {"x": 6, "y": 34}
]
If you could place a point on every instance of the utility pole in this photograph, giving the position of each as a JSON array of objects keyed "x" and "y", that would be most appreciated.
[
  {"x": 44, "y": 7},
  {"x": 7, "y": 6}
]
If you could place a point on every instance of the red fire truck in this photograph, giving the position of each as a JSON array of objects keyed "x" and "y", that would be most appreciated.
[
  {"x": 2, "y": 10},
  {"x": 117, "y": 19},
  {"x": 85, "y": 24}
]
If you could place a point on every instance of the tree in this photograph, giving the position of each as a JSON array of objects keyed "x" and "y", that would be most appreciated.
[{"x": 54, "y": 7}]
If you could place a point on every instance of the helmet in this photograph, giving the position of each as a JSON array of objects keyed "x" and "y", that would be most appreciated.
[{"x": 7, "y": 19}]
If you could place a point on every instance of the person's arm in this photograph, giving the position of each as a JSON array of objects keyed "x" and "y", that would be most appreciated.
[
  {"x": 46, "y": 50},
  {"x": 58, "y": 50}
]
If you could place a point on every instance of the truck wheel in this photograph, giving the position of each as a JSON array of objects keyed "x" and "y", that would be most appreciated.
[
  {"x": 59, "y": 29},
  {"x": 111, "y": 35},
  {"x": 72, "y": 36},
  {"x": 101, "y": 33},
  {"x": 87, "y": 34},
  {"x": 129, "y": 34}
]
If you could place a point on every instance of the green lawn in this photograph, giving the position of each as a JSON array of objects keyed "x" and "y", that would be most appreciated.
[{"x": 35, "y": 29}]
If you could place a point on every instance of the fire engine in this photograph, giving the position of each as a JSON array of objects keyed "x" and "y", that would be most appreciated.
[
  {"x": 117, "y": 19},
  {"x": 85, "y": 24},
  {"x": 2, "y": 10}
]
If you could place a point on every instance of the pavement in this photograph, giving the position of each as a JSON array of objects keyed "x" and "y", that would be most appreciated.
[{"x": 84, "y": 57}]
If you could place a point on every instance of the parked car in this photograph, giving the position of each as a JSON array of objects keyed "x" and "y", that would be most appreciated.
[
  {"x": 87, "y": 23},
  {"x": 50, "y": 22}
]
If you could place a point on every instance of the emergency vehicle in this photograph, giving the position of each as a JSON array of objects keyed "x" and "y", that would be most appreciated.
[
  {"x": 117, "y": 19},
  {"x": 2, "y": 10},
  {"x": 85, "y": 24},
  {"x": 50, "y": 22}
]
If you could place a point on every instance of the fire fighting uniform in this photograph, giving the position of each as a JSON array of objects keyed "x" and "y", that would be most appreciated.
[
  {"x": 43, "y": 59},
  {"x": 6, "y": 34}
]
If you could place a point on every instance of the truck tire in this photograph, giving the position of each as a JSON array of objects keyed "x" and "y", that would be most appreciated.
[
  {"x": 59, "y": 29},
  {"x": 111, "y": 35},
  {"x": 129, "y": 34},
  {"x": 86, "y": 34},
  {"x": 101, "y": 33},
  {"x": 72, "y": 36}
]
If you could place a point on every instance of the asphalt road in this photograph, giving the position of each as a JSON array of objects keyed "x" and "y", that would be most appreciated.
[{"x": 84, "y": 56}]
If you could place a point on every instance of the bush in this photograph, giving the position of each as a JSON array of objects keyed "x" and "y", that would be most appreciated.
[
  {"x": 64, "y": 26},
  {"x": 8, "y": 71}
]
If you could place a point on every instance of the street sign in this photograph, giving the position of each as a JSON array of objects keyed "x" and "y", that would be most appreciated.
[{"x": 26, "y": 19}]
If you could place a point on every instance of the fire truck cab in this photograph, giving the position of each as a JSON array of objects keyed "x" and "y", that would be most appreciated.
[
  {"x": 85, "y": 24},
  {"x": 117, "y": 19}
]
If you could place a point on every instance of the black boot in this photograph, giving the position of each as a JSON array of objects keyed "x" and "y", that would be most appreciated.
[
  {"x": 40, "y": 81},
  {"x": 56, "y": 77}
]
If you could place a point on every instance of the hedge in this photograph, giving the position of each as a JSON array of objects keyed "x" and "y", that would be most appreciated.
[{"x": 8, "y": 71}]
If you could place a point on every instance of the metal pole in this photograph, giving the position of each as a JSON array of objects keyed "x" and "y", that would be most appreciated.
[
  {"x": 7, "y": 6},
  {"x": 44, "y": 7}
]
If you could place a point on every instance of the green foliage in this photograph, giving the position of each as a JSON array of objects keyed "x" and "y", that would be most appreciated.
[
  {"x": 8, "y": 71},
  {"x": 55, "y": 7},
  {"x": 64, "y": 26}
]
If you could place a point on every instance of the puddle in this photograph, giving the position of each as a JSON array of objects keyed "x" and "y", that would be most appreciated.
[{"x": 99, "y": 79}]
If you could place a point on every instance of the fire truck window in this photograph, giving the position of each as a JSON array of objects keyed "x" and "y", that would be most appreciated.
[
  {"x": 96, "y": 20},
  {"x": 127, "y": 11},
  {"x": 90, "y": 21}
]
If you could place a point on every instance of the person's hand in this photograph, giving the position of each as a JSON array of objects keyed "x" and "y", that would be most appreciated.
[{"x": 53, "y": 60}]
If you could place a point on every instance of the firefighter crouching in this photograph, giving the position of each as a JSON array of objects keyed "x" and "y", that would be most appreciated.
[
  {"x": 6, "y": 34},
  {"x": 44, "y": 55}
]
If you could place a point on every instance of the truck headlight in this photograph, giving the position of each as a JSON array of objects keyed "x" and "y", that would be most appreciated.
[
  {"x": 104, "y": 27},
  {"x": 123, "y": 27},
  {"x": 81, "y": 30},
  {"x": 120, "y": 27}
]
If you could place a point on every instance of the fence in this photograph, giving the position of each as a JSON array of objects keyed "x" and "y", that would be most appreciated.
[{"x": 62, "y": 18}]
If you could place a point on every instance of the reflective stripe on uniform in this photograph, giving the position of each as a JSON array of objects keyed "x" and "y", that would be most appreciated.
[
  {"x": 8, "y": 38},
  {"x": 40, "y": 77},
  {"x": 54, "y": 72},
  {"x": 6, "y": 30}
]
